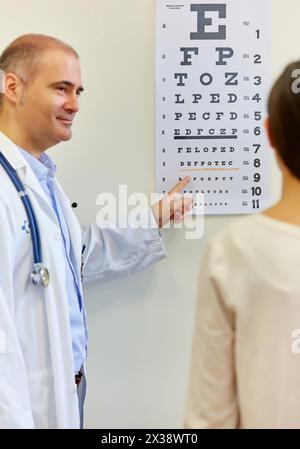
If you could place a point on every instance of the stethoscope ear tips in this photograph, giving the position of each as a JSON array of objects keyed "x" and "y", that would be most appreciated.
[{"x": 74, "y": 205}]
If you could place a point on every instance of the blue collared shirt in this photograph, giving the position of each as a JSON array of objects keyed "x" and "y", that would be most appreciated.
[{"x": 45, "y": 169}]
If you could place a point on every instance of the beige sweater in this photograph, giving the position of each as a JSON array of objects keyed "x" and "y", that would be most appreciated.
[{"x": 245, "y": 369}]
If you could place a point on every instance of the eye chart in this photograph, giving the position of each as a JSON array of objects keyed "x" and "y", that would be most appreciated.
[{"x": 213, "y": 75}]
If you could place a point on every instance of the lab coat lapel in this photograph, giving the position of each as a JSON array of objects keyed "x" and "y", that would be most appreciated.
[
  {"x": 28, "y": 178},
  {"x": 73, "y": 226}
]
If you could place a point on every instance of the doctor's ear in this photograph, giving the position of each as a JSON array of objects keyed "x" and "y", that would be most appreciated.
[
  {"x": 13, "y": 87},
  {"x": 268, "y": 131}
]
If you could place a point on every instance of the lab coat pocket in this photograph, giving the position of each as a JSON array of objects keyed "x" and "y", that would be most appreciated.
[{"x": 42, "y": 399}]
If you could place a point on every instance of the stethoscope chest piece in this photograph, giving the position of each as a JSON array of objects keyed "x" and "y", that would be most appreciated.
[{"x": 40, "y": 275}]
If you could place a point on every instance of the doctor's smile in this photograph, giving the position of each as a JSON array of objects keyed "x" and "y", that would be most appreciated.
[{"x": 65, "y": 121}]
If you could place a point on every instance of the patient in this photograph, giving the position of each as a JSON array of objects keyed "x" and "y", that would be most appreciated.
[{"x": 245, "y": 371}]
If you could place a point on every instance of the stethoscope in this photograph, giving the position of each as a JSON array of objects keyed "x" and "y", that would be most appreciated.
[{"x": 40, "y": 274}]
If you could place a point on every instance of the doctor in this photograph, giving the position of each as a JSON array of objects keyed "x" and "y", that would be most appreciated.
[{"x": 42, "y": 318}]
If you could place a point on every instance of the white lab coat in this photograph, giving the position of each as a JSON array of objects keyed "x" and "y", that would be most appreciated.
[{"x": 37, "y": 388}]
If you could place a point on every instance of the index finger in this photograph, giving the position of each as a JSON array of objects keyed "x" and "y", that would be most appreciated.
[{"x": 180, "y": 185}]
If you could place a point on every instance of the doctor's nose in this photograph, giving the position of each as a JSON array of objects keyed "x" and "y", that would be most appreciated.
[{"x": 72, "y": 105}]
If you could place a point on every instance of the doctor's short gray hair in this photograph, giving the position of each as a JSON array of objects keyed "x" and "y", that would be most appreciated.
[{"x": 22, "y": 55}]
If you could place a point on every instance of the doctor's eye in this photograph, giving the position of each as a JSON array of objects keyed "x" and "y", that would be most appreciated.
[{"x": 61, "y": 88}]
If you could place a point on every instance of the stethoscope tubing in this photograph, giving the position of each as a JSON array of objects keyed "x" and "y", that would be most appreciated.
[{"x": 34, "y": 230}]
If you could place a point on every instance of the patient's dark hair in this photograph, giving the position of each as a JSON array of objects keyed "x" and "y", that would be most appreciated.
[{"x": 284, "y": 115}]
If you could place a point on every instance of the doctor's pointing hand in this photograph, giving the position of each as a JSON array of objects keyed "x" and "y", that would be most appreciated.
[{"x": 46, "y": 257}]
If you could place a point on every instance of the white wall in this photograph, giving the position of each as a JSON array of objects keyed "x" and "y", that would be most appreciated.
[{"x": 140, "y": 327}]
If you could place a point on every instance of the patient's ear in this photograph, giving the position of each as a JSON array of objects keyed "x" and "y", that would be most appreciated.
[
  {"x": 267, "y": 128},
  {"x": 277, "y": 155}
]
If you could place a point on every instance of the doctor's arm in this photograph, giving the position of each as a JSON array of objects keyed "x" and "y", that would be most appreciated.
[
  {"x": 212, "y": 397},
  {"x": 112, "y": 252}
]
